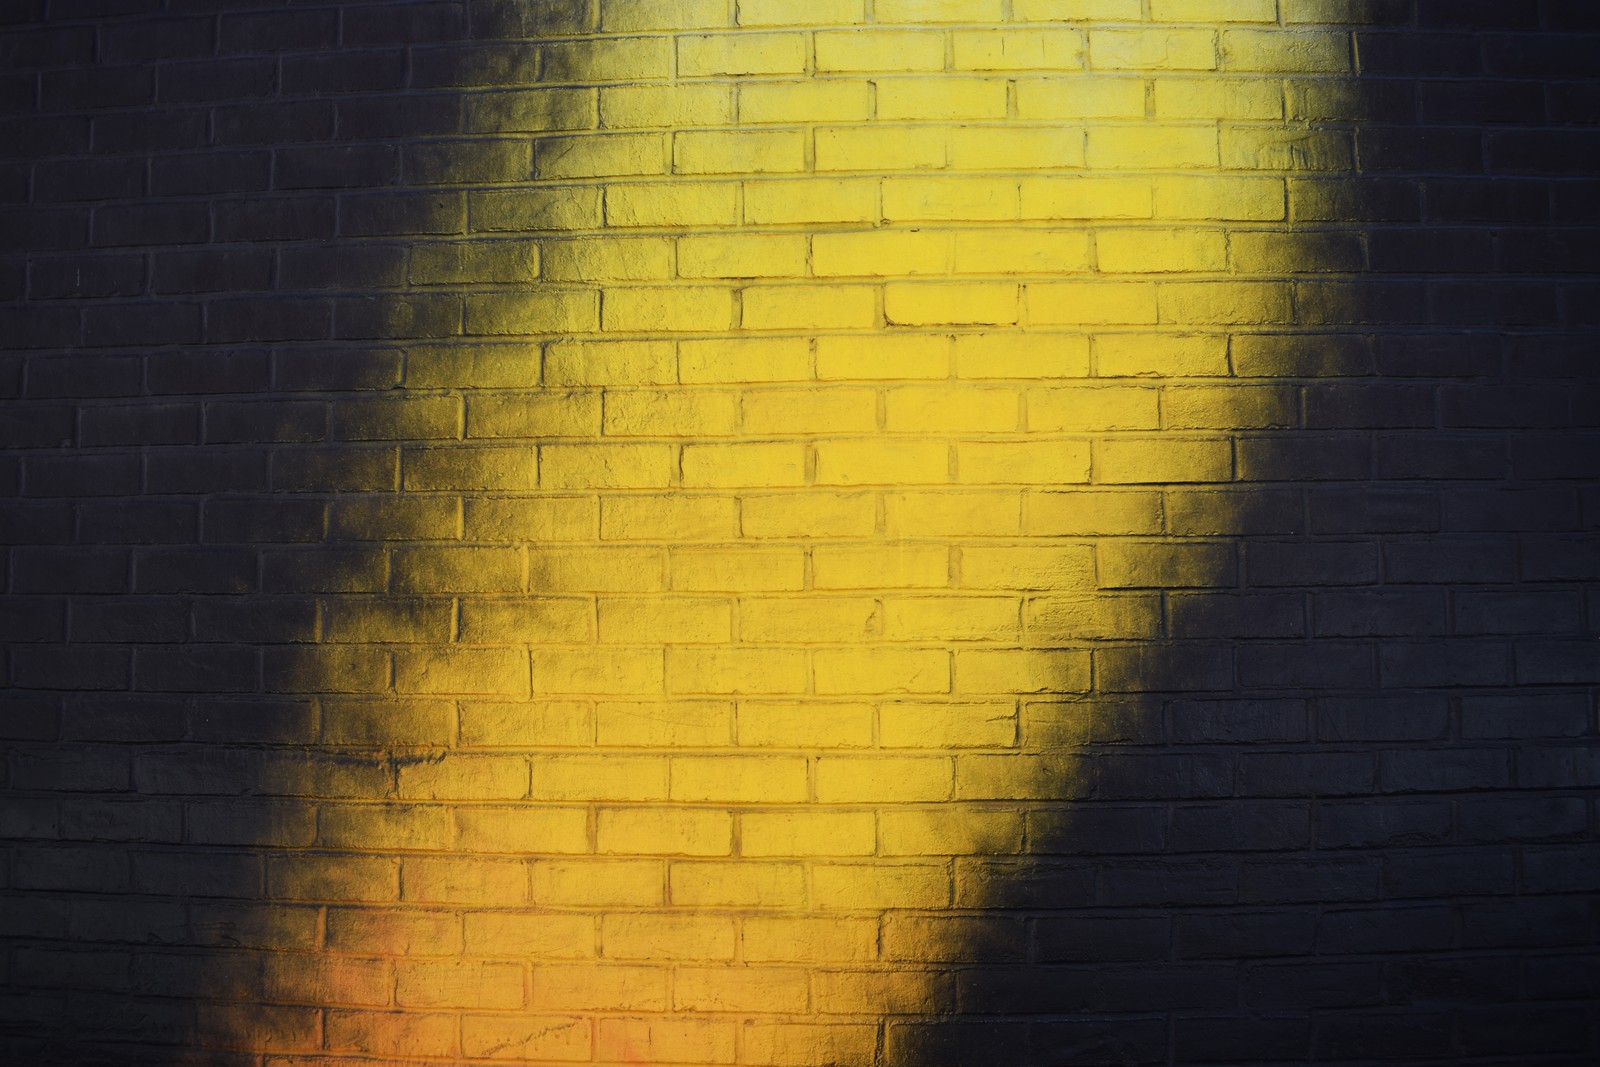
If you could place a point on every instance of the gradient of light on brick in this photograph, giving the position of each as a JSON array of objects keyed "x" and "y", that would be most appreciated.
[{"x": 804, "y": 474}]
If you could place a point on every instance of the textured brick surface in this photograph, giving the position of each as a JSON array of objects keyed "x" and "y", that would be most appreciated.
[{"x": 862, "y": 532}]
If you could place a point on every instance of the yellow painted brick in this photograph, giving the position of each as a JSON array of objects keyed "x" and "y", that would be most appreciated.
[
  {"x": 1226, "y": 302},
  {"x": 1087, "y": 198},
  {"x": 1291, "y": 149},
  {"x": 1209, "y": 11},
  {"x": 590, "y": 259},
  {"x": 1218, "y": 98},
  {"x": 612, "y": 987},
  {"x": 373, "y": 931},
  {"x": 665, "y": 1040},
  {"x": 610, "y": 363},
  {"x": 807, "y": 833},
  {"x": 599, "y": 882},
  {"x": 994, "y": 513},
  {"x": 882, "y": 670},
  {"x": 924, "y": 11},
  {"x": 881, "y": 565},
  {"x": 596, "y": 671},
  {"x": 1231, "y": 407},
  {"x": 1152, "y": 49},
  {"x": 459, "y": 984},
  {"x": 396, "y": 619},
  {"x": 669, "y": 518},
  {"x": 1029, "y": 462},
  {"x": 882, "y": 779},
  {"x": 784, "y": 13},
  {"x": 813, "y": 410},
  {"x": 740, "y": 989},
  {"x": 806, "y": 620},
  {"x": 384, "y": 826},
  {"x": 811, "y": 513},
  {"x": 945, "y": 98},
  {"x": 668, "y": 936},
  {"x": 1091, "y": 303},
  {"x": 522, "y": 829},
  {"x": 533, "y": 207},
  {"x": 1094, "y": 618},
  {"x": 743, "y": 256},
  {"x": 570, "y": 776},
  {"x": 1164, "y": 459},
  {"x": 635, "y": 620},
  {"x": 605, "y": 466},
  {"x": 833, "y": 724},
  {"x": 612, "y": 569},
  {"x": 333, "y": 878},
  {"x": 876, "y": 886},
  {"x": 825, "y": 101},
  {"x": 879, "y": 50},
  {"x": 883, "y": 357},
  {"x": 458, "y": 262},
  {"x": 834, "y": 939},
  {"x": 1020, "y": 252},
  {"x": 739, "y": 779},
  {"x": 775, "y": 359},
  {"x": 1160, "y": 565},
  {"x": 1093, "y": 512},
  {"x": 712, "y": 55},
  {"x": 744, "y": 464},
  {"x": 654, "y": 309},
  {"x": 668, "y": 107},
  {"x": 675, "y": 204},
  {"x": 1081, "y": 409},
  {"x": 1155, "y": 251},
  {"x": 1032, "y": 671},
  {"x": 460, "y": 777},
  {"x": 1099, "y": 97},
  {"x": 880, "y": 149},
  {"x": 931, "y": 408},
  {"x": 1022, "y": 355},
  {"x": 807, "y": 307},
  {"x": 466, "y": 670},
  {"x": 881, "y": 252},
  {"x": 1288, "y": 253},
  {"x": 625, "y": 15},
  {"x": 547, "y": 518},
  {"x": 949, "y": 619},
  {"x": 604, "y": 156},
  {"x": 736, "y": 670},
  {"x": 947, "y": 831},
  {"x": 614, "y": 59},
  {"x": 738, "y": 884},
  {"x": 1160, "y": 355},
  {"x": 945, "y": 726},
  {"x": 528, "y": 1037},
  {"x": 1215, "y": 198},
  {"x": 542, "y": 414},
  {"x": 541, "y": 618},
  {"x": 939, "y": 199},
  {"x": 1152, "y": 147},
  {"x": 405, "y": 1033},
  {"x": 776, "y": 201},
  {"x": 664, "y": 724},
  {"x": 522, "y": 108},
  {"x": 664, "y": 832},
  {"x": 553, "y": 723},
  {"x": 803, "y": 1044},
  {"x": 669, "y": 413},
  {"x": 870, "y": 462},
  {"x": 1014, "y": 777},
  {"x": 1027, "y": 567},
  {"x": 738, "y": 152},
  {"x": 468, "y": 467},
  {"x": 737, "y": 568},
  {"x": 1286, "y": 51},
  {"x": 466, "y": 880},
  {"x": 523, "y": 935},
  {"x": 1029, "y": 49}
]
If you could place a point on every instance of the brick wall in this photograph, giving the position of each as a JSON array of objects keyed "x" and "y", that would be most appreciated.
[{"x": 861, "y": 532}]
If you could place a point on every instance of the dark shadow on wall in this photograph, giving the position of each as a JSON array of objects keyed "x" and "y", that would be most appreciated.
[
  {"x": 236, "y": 251},
  {"x": 1344, "y": 813},
  {"x": 1349, "y": 815}
]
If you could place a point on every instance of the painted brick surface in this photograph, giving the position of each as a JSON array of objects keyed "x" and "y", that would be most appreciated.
[{"x": 861, "y": 532}]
